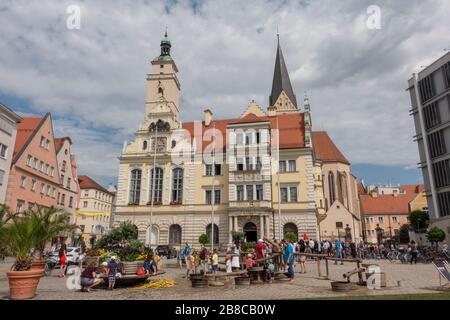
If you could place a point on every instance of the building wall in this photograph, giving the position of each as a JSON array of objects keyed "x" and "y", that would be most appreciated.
[
  {"x": 46, "y": 187},
  {"x": 434, "y": 117},
  {"x": 68, "y": 193},
  {"x": 388, "y": 224},
  {"x": 8, "y": 124},
  {"x": 94, "y": 213}
]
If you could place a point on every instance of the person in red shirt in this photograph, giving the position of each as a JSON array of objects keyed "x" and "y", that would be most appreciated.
[{"x": 260, "y": 248}]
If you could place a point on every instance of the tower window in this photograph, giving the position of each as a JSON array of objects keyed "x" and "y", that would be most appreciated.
[
  {"x": 160, "y": 90},
  {"x": 161, "y": 66},
  {"x": 144, "y": 145}
]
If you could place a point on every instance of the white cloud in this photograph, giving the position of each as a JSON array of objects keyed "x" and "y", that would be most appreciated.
[{"x": 93, "y": 79}]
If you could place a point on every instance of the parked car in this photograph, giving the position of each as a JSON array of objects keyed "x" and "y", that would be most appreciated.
[
  {"x": 166, "y": 251},
  {"x": 73, "y": 254}
]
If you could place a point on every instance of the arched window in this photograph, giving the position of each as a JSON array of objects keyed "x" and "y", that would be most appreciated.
[
  {"x": 175, "y": 234},
  {"x": 144, "y": 145},
  {"x": 152, "y": 235},
  {"x": 156, "y": 179},
  {"x": 177, "y": 185},
  {"x": 216, "y": 233},
  {"x": 343, "y": 183},
  {"x": 331, "y": 188},
  {"x": 290, "y": 227},
  {"x": 135, "y": 186}
]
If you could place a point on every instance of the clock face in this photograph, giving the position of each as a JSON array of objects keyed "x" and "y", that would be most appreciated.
[{"x": 161, "y": 144}]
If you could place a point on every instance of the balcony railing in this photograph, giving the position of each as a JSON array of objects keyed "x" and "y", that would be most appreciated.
[{"x": 250, "y": 204}]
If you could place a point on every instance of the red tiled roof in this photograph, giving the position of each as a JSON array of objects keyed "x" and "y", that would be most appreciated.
[
  {"x": 291, "y": 129},
  {"x": 388, "y": 204},
  {"x": 412, "y": 188},
  {"x": 25, "y": 130},
  {"x": 59, "y": 142},
  {"x": 86, "y": 182},
  {"x": 325, "y": 149},
  {"x": 361, "y": 188}
]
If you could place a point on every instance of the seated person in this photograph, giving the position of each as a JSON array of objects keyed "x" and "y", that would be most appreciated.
[
  {"x": 104, "y": 270},
  {"x": 150, "y": 266},
  {"x": 89, "y": 278},
  {"x": 249, "y": 263}
]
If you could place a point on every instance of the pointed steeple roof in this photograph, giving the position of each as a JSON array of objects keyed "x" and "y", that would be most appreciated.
[{"x": 281, "y": 81}]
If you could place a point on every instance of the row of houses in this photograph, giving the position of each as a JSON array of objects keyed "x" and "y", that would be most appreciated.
[{"x": 37, "y": 168}]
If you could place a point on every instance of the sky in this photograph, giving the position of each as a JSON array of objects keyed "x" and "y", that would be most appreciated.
[{"x": 93, "y": 79}]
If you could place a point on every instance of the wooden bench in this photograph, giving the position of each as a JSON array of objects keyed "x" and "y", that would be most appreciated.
[
  {"x": 214, "y": 276},
  {"x": 131, "y": 279}
]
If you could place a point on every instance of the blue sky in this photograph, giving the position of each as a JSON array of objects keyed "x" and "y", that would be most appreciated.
[{"x": 92, "y": 80}]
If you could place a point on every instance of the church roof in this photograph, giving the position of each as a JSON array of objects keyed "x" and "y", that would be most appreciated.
[
  {"x": 281, "y": 81},
  {"x": 26, "y": 130},
  {"x": 325, "y": 149}
]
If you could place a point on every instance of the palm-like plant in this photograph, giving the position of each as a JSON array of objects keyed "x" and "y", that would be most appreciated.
[
  {"x": 19, "y": 237},
  {"x": 5, "y": 218},
  {"x": 50, "y": 223}
]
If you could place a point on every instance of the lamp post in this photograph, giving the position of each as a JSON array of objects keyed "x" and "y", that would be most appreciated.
[{"x": 348, "y": 234}]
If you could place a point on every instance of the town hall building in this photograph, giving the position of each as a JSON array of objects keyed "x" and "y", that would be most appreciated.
[{"x": 261, "y": 173}]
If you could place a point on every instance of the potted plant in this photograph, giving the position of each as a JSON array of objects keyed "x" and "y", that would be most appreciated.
[
  {"x": 20, "y": 237},
  {"x": 51, "y": 222},
  {"x": 203, "y": 239}
]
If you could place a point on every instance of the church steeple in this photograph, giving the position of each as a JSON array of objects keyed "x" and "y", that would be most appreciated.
[
  {"x": 165, "y": 49},
  {"x": 281, "y": 84}
]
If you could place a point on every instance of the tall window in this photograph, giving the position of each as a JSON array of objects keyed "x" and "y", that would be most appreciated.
[
  {"x": 249, "y": 188},
  {"x": 216, "y": 232},
  {"x": 259, "y": 192},
  {"x": 3, "y": 149},
  {"x": 282, "y": 165},
  {"x": 156, "y": 179},
  {"x": 175, "y": 234},
  {"x": 292, "y": 166},
  {"x": 240, "y": 193},
  {"x": 331, "y": 189},
  {"x": 177, "y": 185},
  {"x": 208, "y": 196},
  {"x": 135, "y": 186}
]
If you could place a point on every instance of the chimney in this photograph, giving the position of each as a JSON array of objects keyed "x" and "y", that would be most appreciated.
[{"x": 208, "y": 117}]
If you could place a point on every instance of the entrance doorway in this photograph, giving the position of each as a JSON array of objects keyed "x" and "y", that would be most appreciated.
[{"x": 250, "y": 232}]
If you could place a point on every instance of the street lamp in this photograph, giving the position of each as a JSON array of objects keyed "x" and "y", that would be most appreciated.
[{"x": 348, "y": 234}]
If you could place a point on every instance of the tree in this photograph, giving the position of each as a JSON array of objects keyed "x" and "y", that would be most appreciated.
[
  {"x": 290, "y": 236},
  {"x": 51, "y": 222},
  {"x": 237, "y": 236},
  {"x": 435, "y": 235},
  {"x": 404, "y": 234},
  {"x": 126, "y": 231},
  {"x": 203, "y": 239},
  {"x": 418, "y": 219}
]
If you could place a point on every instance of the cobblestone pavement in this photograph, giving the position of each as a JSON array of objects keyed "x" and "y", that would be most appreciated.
[{"x": 420, "y": 278}]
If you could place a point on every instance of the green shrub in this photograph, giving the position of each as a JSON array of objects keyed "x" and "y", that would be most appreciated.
[
  {"x": 203, "y": 239},
  {"x": 290, "y": 236}
]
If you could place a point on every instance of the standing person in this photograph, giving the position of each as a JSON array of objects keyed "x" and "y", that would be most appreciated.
[
  {"x": 62, "y": 261},
  {"x": 290, "y": 254},
  {"x": 202, "y": 257},
  {"x": 276, "y": 252},
  {"x": 89, "y": 278},
  {"x": 413, "y": 251},
  {"x": 180, "y": 258},
  {"x": 325, "y": 247},
  {"x": 112, "y": 271},
  {"x": 353, "y": 249},
  {"x": 338, "y": 249},
  {"x": 149, "y": 264},
  {"x": 229, "y": 267},
  {"x": 311, "y": 245},
  {"x": 235, "y": 263},
  {"x": 445, "y": 249},
  {"x": 302, "y": 259},
  {"x": 215, "y": 261},
  {"x": 270, "y": 271},
  {"x": 259, "y": 249}
]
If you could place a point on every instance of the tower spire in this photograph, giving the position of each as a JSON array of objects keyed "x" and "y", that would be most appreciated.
[{"x": 281, "y": 81}]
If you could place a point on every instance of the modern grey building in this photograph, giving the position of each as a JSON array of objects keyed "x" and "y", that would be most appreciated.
[{"x": 430, "y": 100}]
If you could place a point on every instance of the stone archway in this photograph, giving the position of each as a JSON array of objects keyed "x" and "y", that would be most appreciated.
[{"x": 250, "y": 232}]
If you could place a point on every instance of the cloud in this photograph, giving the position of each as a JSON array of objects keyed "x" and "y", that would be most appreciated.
[{"x": 93, "y": 79}]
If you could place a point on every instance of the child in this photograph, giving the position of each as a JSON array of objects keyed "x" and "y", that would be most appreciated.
[
  {"x": 249, "y": 263},
  {"x": 193, "y": 266},
  {"x": 112, "y": 271},
  {"x": 270, "y": 271},
  {"x": 180, "y": 258},
  {"x": 207, "y": 262},
  {"x": 104, "y": 270},
  {"x": 228, "y": 265},
  {"x": 215, "y": 261}
]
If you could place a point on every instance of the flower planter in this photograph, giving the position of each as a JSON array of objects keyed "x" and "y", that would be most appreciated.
[
  {"x": 38, "y": 264},
  {"x": 23, "y": 284}
]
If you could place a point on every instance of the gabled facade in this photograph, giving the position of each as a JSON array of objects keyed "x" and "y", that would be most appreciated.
[
  {"x": 69, "y": 192},
  {"x": 34, "y": 176},
  {"x": 254, "y": 173}
]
